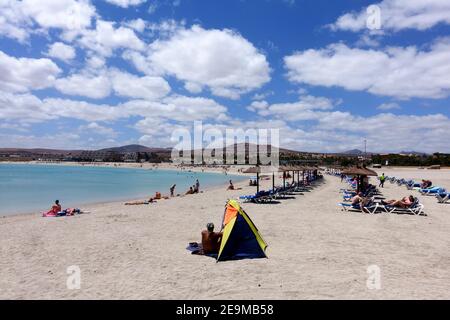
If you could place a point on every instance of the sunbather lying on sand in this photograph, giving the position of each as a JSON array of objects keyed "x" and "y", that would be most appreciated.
[
  {"x": 405, "y": 202},
  {"x": 135, "y": 203}
]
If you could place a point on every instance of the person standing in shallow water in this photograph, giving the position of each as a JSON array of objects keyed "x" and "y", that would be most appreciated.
[
  {"x": 172, "y": 190},
  {"x": 197, "y": 186}
]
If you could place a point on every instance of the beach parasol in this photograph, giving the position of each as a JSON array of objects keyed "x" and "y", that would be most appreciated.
[{"x": 359, "y": 172}]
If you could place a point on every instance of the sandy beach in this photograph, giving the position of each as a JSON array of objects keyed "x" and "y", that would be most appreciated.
[{"x": 315, "y": 251}]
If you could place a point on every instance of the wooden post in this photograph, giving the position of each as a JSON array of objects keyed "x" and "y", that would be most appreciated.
[
  {"x": 257, "y": 182},
  {"x": 273, "y": 180}
]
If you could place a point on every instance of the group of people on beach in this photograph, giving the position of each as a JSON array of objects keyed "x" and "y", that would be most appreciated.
[
  {"x": 56, "y": 210},
  {"x": 194, "y": 189},
  {"x": 404, "y": 202}
]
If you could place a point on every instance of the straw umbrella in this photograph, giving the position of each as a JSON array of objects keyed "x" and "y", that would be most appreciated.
[
  {"x": 284, "y": 169},
  {"x": 298, "y": 168},
  {"x": 359, "y": 172}
]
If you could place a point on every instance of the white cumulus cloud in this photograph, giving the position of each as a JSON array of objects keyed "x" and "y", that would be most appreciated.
[
  {"x": 99, "y": 84},
  {"x": 61, "y": 51},
  {"x": 85, "y": 85},
  {"x": 23, "y": 74},
  {"x": 106, "y": 38},
  {"x": 401, "y": 72},
  {"x": 126, "y": 3},
  {"x": 222, "y": 60},
  {"x": 398, "y": 15},
  {"x": 147, "y": 87}
]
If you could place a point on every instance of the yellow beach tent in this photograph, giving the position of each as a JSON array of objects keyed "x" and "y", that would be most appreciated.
[{"x": 241, "y": 238}]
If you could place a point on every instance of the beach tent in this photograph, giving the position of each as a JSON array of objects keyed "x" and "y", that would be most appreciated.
[{"x": 241, "y": 239}]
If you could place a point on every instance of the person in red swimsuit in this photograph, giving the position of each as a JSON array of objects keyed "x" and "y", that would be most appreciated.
[{"x": 55, "y": 208}]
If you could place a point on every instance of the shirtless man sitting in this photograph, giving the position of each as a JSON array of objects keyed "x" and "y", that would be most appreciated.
[
  {"x": 211, "y": 240},
  {"x": 190, "y": 191}
]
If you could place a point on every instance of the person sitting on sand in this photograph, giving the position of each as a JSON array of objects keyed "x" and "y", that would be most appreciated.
[
  {"x": 190, "y": 191},
  {"x": 211, "y": 240},
  {"x": 231, "y": 186},
  {"x": 405, "y": 202},
  {"x": 56, "y": 208},
  {"x": 172, "y": 190}
]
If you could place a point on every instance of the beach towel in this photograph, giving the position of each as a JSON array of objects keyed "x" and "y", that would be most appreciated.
[
  {"x": 66, "y": 212},
  {"x": 196, "y": 248}
]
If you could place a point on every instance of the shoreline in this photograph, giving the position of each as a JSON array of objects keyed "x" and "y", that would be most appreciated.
[
  {"x": 143, "y": 166},
  {"x": 96, "y": 204},
  {"x": 315, "y": 250}
]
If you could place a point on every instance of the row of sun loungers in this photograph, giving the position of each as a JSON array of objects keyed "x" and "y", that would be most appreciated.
[
  {"x": 377, "y": 207},
  {"x": 372, "y": 206},
  {"x": 277, "y": 193}
]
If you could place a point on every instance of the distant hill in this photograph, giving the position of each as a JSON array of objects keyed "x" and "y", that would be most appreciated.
[
  {"x": 38, "y": 151},
  {"x": 135, "y": 148},
  {"x": 353, "y": 152},
  {"x": 233, "y": 147},
  {"x": 124, "y": 149}
]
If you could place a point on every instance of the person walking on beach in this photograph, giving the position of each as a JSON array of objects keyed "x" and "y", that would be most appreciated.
[
  {"x": 382, "y": 179},
  {"x": 172, "y": 190},
  {"x": 342, "y": 177}
]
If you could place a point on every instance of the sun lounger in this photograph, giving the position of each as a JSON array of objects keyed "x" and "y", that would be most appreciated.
[
  {"x": 443, "y": 197},
  {"x": 415, "y": 208},
  {"x": 370, "y": 207},
  {"x": 432, "y": 191},
  {"x": 259, "y": 197}
]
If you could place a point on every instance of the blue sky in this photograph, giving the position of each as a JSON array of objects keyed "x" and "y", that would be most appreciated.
[{"x": 93, "y": 74}]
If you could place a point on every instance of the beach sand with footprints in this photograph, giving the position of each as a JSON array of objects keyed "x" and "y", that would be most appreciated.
[{"x": 315, "y": 249}]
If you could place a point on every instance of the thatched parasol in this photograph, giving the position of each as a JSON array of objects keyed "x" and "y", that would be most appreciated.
[{"x": 359, "y": 172}]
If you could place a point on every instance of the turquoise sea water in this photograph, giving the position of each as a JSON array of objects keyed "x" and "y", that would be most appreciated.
[{"x": 33, "y": 188}]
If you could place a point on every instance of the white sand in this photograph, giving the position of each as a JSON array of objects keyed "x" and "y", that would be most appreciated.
[{"x": 315, "y": 250}]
